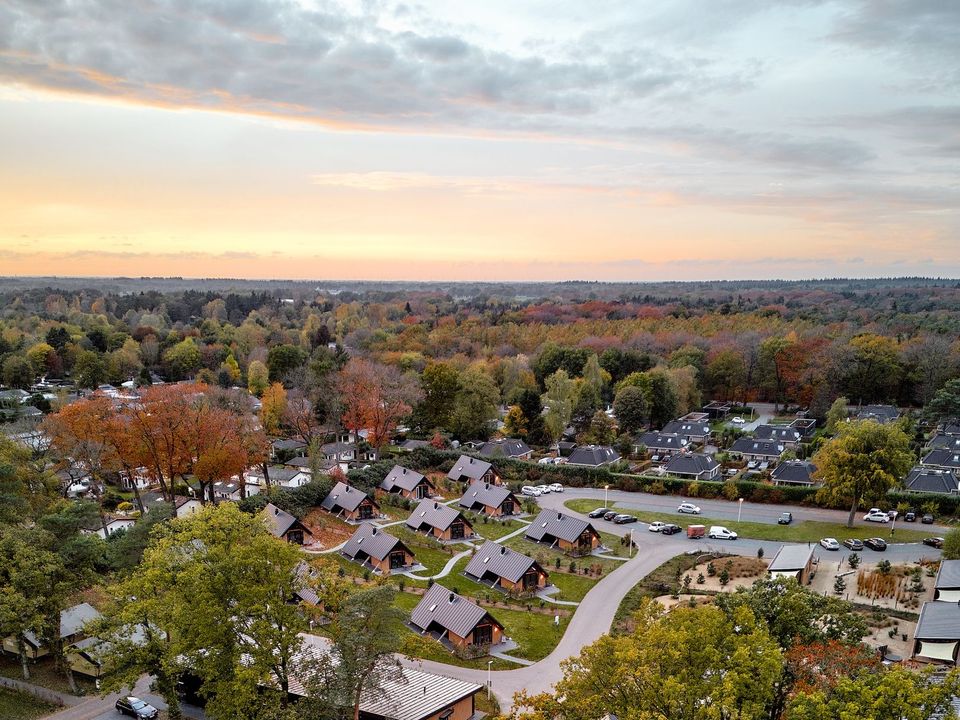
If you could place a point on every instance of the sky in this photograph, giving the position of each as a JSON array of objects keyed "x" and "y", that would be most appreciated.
[{"x": 490, "y": 140}]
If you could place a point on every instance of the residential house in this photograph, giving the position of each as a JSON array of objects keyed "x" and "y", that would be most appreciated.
[
  {"x": 305, "y": 592},
  {"x": 805, "y": 426},
  {"x": 353, "y": 504},
  {"x": 440, "y": 521},
  {"x": 115, "y": 525},
  {"x": 89, "y": 656},
  {"x": 278, "y": 476},
  {"x": 299, "y": 463},
  {"x": 72, "y": 620},
  {"x": 186, "y": 506},
  {"x": 406, "y": 483},
  {"x": 943, "y": 459},
  {"x": 795, "y": 472},
  {"x": 695, "y": 431},
  {"x": 781, "y": 434},
  {"x": 285, "y": 526},
  {"x": 139, "y": 477},
  {"x": 695, "y": 466},
  {"x": 661, "y": 443},
  {"x": 507, "y": 448},
  {"x": 341, "y": 452},
  {"x": 564, "y": 448},
  {"x": 498, "y": 566},
  {"x": 453, "y": 618},
  {"x": 793, "y": 561},
  {"x": 938, "y": 633},
  {"x": 492, "y": 500},
  {"x": 470, "y": 470},
  {"x": 949, "y": 429},
  {"x": 717, "y": 409},
  {"x": 946, "y": 587},
  {"x": 762, "y": 451},
  {"x": 883, "y": 414},
  {"x": 232, "y": 490},
  {"x": 372, "y": 547},
  {"x": 411, "y": 445},
  {"x": 569, "y": 534},
  {"x": 283, "y": 448},
  {"x": 932, "y": 480},
  {"x": 593, "y": 456},
  {"x": 942, "y": 441}
]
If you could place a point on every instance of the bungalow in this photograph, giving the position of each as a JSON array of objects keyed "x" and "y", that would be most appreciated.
[
  {"x": 883, "y": 414},
  {"x": 695, "y": 466},
  {"x": 492, "y": 500},
  {"x": 944, "y": 442},
  {"x": 232, "y": 491},
  {"x": 950, "y": 429},
  {"x": 793, "y": 561},
  {"x": 794, "y": 472},
  {"x": 406, "y": 483},
  {"x": 661, "y": 443},
  {"x": 757, "y": 450},
  {"x": 449, "y": 616},
  {"x": 371, "y": 547},
  {"x": 805, "y": 426},
  {"x": 931, "y": 480},
  {"x": 282, "y": 448},
  {"x": 508, "y": 448},
  {"x": 139, "y": 477},
  {"x": 340, "y": 451},
  {"x": 278, "y": 476},
  {"x": 938, "y": 633},
  {"x": 355, "y": 505},
  {"x": 285, "y": 526},
  {"x": 299, "y": 463},
  {"x": 72, "y": 620},
  {"x": 411, "y": 445},
  {"x": 440, "y": 521},
  {"x": 946, "y": 588},
  {"x": 115, "y": 525},
  {"x": 782, "y": 434},
  {"x": 571, "y": 535},
  {"x": 305, "y": 591},
  {"x": 499, "y": 566},
  {"x": 593, "y": 456},
  {"x": 186, "y": 506},
  {"x": 88, "y": 656},
  {"x": 943, "y": 459},
  {"x": 470, "y": 470},
  {"x": 692, "y": 431}
]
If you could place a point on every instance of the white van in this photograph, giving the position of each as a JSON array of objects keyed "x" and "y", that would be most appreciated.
[{"x": 719, "y": 532}]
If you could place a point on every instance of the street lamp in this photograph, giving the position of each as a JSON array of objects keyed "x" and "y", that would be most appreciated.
[
  {"x": 739, "y": 508},
  {"x": 893, "y": 524},
  {"x": 630, "y": 544},
  {"x": 605, "y": 488},
  {"x": 489, "y": 663}
]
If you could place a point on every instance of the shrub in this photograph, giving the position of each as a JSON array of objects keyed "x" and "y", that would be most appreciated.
[
  {"x": 853, "y": 560},
  {"x": 760, "y": 553},
  {"x": 711, "y": 569},
  {"x": 724, "y": 577},
  {"x": 701, "y": 579}
]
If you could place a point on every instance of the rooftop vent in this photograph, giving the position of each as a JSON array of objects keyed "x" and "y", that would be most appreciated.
[
  {"x": 452, "y": 597},
  {"x": 503, "y": 550}
]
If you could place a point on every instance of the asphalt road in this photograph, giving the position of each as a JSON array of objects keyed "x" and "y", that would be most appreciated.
[{"x": 96, "y": 708}]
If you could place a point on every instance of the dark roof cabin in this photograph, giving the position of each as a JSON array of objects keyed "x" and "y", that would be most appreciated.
[
  {"x": 284, "y": 525},
  {"x": 351, "y": 503},
  {"x": 493, "y": 500},
  {"x": 407, "y": 483},
  {"x": 371, "y": 546},
  {"x": 566, "y": 532},
  {"x": 470, "y": 470},
  {"x": 499, "y": 566},
  {"x": 454, "y": 618},
  {"x": 439, "y": 520}
]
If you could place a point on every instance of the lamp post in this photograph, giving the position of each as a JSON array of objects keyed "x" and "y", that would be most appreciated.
[
  {"x": 489, "y": 663},
  {"x": 739, "y": 508},
  {"x": 630, "y": 544},
  {"x": 893, "y": 524},
  {"x": 605, "y": 489}
]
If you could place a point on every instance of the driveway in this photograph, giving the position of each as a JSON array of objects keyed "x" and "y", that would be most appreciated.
[{"x": 96, "y": 708}]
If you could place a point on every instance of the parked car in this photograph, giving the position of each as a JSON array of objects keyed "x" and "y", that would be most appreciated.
[
  {"x": 688, "y": 508},
  {"x": 530, "y": 491},
  {"x": 910, "y": 516},
  {"x": 610, "y": 515},
  {"x": 656, "y": 526},
  {"x": 625, "y": 519},
  {"x": 853, "y": 544},
  {"x": 877, "y": 516},
  {"x": 545, "y": 461},
  {"x": 878, "y": 544},
  {"x": 544, "y": 489},
  {"x": 719, "y": 532},
  {"x": 927, "y": 519},
  {"x": 599, "y": 512},
  {"x": 785, "y": 518},
  {"x": 136, "y": 708},
  {"x": 934, "y": 542},
  {"x": 737, "y": 420},
  {"x": 829, "y": 543},
  {"x": 555, "y": 487},
  {"x": 670, "y": 529},
  {"x": 731, "y": 472},
  {"x": 892, "y": 514}
]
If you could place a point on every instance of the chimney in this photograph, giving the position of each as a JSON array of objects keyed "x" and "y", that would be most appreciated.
[
  {"x": 404, "y": 471},
  {"x": 276, "y": 511},
  {"x": 436, "y": 505},
  {"x": 373, "y": 531},
  {"x": 503, "y": 550},
  {"x": 486, "y": 486},
  {"x": 452, "y": 597}
]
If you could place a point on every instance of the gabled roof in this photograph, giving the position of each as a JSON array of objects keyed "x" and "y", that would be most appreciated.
[
  {"x": 593, "y": 455},
  {"x": 506, "y": 447},
  {"x": 938, "y": 621},
  {"x": 448, "y": 610},
  {"x": 942, "y": 458},
  {"x": 681, "y": 427},
  {"x": 880, "y": 413},
  {"x": 948, "y": 576},
  {"x": 344, "y": 496},
  {"x": 501, "y": 561},
  {"x": 555, "y": 524},
  {"x": 691, "y": 464},
  {"x": 304, "y": 573},
  {"x": 662, "y": 440},
  {"x": 950, "y": 429},
  {"x": 796, "y": 471},
  {"x": 72, "y": 620},
  {"x": 932, "y": 480},
  {"x": 180, "y": 500},
  {"x": 371, "y": 540},
  {"x": 338, "y": 448},
  {"x": 414, "y": 444},
  {"x": 470, "y": 467},
  {"x": 278, "y": 473},
  {"x": 435, "y": 514},
  {"x": 485, "y": 494},
  {"x": 778, "y": 433},
  {"x": 301, "y": 463},
  {"x": 944, "y": 442},
  {"x": 402, "y": 478},
  {"x": 750, "y": 446},
  {"x": 278, "y": 521}
]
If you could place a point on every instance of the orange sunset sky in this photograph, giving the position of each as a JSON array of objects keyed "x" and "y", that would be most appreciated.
[{"x": 482, "y": 141}]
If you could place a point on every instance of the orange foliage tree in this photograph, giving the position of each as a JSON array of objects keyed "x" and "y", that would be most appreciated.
[{"x": 375, "y": 397}]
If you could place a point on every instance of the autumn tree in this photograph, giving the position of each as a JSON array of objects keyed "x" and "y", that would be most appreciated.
[
  {"x": 515, "y": 422},
  {"x": 874, "y": 370},
  {"x": 725, "y": 374},
  {"x": 375, "y": 397},
  {"x": 273, "y": 407},
  {"x": 774, "y": 357},
  {"x": 257, "y": 378},
  {"x": 863, "y": 462}
]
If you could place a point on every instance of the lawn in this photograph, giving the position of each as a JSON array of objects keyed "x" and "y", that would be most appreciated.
[
  {"x": 797, "y": 531},
  {"x": 547, "y": 556},
  {"x": 20, "y": 706},
  {"x": 572, "y": 587},
  {"x": 429, "y": 553},
  {"x": 44, "y": 674},
  {"x": 493, "y": 529}
]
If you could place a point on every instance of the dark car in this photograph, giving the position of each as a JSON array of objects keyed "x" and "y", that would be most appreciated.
[
  {"x": 934, "y": 542},
  {"x": 599, "y": 512},
  {"x": 136, "y": 708},
  {"x": 610, "y": 515},
  {"x": 878, "y": 544},
  {"x": 785, "y": 518},
  {"x": 670, "y": 529},
  {"x": 853, "y": 544},
  {"x": 624, "y": 519},
  {"x": 927, "y": 519},
  {"x": 910, "y": 516}
]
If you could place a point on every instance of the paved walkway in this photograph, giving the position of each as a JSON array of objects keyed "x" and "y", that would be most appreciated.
[
  {"x": 550, "y": 590},
  {"x": 515, "y": 532},
  {"x": 443, "y": 573}
]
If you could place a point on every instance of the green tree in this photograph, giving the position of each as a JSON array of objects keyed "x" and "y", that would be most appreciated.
[
  {"x": 558, "y": 400},
  {"x": 258, "y": 378},
  {"x": 945, "y": 404},
  {"x": 663, "y": 398},
  {"x": 89, "y": 370},
  {"x": 26, "y": 489},
  {"x": 440, "y": 383},
  {"x": 515, "y": 423},
  {"x": 600, "y": 431},
  {"x": 283, "y": 360},
  {"x": 862, "y": 462},
  {"x": 595, "y": 376},
  {"x": 837, "y": 414},
  {"x": 874, "y": 370},
  {"x": 631, "y": 409},
  {"x": 774, "y": 355},
  {"x": 183, "y": 359},
  {"x": 18, "y": 372},
  {"x": 726, "y": 374},
  {"x": 475, "y": 406},
  {"x": 38, "y": 355},
  {"x": 951, "y": 545}
]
